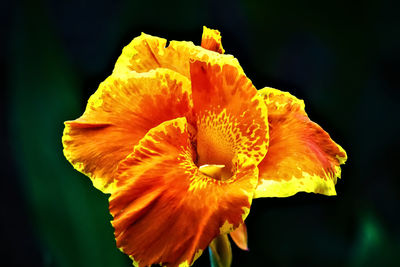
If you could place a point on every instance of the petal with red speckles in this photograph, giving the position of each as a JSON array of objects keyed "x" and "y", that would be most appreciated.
[
  {"x": 230, "y": 117},
  {"x": 165, "y": 210}
]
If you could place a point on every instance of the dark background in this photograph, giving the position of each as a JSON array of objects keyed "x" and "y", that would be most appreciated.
[{"x": 341, "y": 57}]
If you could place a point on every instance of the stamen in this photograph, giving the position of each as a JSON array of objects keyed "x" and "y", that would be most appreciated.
[{"x": 216, "y": 171}]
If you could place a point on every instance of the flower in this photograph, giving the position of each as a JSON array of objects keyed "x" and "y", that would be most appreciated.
[{"x": 184, "y": 142}]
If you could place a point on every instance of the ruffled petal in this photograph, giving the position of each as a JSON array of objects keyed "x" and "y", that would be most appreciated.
[
  {"x": 165, "y": 210},
  {"x": 211, "y": 40},
  {"x": 148, "y": 52},
  {"x": 231, "y": 119},
  {"x": 118, "y": 115},
  {"x": 301, "y": 155}
]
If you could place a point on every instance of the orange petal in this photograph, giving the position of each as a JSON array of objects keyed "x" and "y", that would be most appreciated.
[
  {"x": 148, "y": 52},
  {"x": 117, "y": 116},
  {"x": 231, "y": 118},
  {"x": 211, "y": 40},
  {"x": 165, "y": 210},
  {"x": 301, "y": 155},
  {"x": 239, "y": 236}
]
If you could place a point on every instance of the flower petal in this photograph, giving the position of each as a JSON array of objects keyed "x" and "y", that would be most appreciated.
[
  {"x": 231, "y": 118},
  {"x": 301, "y": 155},
  {"x": 211, "y": 40},
  {"x": 118, "y": 115},
  {"x": 148, "y": 52},
  {"x": 239, "y": 236},
  {"x": 165, "y": 210}
]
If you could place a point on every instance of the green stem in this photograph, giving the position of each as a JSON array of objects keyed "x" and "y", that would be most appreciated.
[{"x": 220, "y": 252}]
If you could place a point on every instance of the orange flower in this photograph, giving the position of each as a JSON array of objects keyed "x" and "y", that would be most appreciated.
[{"x": 183, "y": 142}]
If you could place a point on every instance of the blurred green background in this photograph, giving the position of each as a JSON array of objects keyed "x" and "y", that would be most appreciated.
[{"x": 341, "y": 57}]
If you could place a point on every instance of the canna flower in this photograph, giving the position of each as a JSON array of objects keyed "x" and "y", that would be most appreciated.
[{"x": 183, "y": 142}]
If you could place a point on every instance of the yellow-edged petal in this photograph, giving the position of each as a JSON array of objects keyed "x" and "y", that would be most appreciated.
[
  {"x": 301, "y": 155},
  {"x": 118, "y": 115},
  {"x": 211, "y": 40},
  {"x": 165, "y": 210},
  {"x": 148, "y": 52}
]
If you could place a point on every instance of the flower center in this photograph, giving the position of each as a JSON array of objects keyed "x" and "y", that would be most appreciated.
[{"x": 215, "y": 153}]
